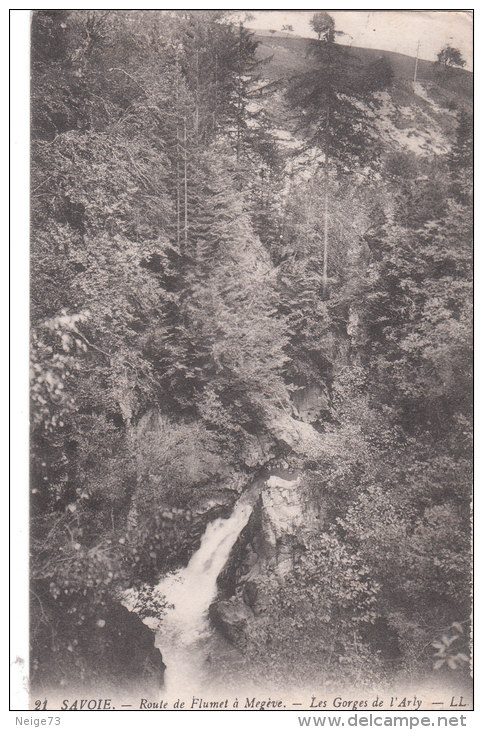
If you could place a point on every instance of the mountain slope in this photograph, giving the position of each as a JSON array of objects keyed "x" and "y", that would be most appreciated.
[
  {"x": 416, "y": 117},
  {"x": 289, "y": 55}
]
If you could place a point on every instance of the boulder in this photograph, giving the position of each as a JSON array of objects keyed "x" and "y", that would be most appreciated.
[
  {"x": 125, "y": 645},
  {"x": 112, "y": 649},
  {"x": 231, "y": 618},
  {"x": 299, "y": 437}
]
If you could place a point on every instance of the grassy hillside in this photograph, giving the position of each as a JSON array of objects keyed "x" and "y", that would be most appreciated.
[
  {"x": 289, "y": 55},
  {"x": 419, "y": 118}
]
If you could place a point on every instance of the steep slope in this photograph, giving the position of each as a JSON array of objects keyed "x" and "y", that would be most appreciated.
[{"x": 416, "y": 117}]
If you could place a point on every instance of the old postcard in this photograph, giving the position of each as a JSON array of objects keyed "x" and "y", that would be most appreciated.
[{"x": 251, "y": 360}]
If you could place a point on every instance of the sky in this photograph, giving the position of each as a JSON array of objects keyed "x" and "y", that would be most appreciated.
[{"x": 389, "y": 30}]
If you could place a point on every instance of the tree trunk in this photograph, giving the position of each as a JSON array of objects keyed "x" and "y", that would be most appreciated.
[
  {"x": 197, "y": 100},
  {"x": 185, "y": 188},
  {"x": 326, "y": 203},
  {"x": 178, "y": 197},
  {"x": 238, "y": 103},
  {"x": 215, "y": 110},
  {"x": 326, "y": 226}
]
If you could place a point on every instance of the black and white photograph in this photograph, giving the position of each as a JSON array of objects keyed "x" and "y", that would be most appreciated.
[{"x": 251, "y": 360}]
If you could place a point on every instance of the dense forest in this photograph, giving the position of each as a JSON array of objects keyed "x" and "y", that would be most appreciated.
[{"x": 232, "y": 273}]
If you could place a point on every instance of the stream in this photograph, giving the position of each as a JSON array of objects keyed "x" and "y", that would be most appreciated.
[{"x": 184, "y": 635}]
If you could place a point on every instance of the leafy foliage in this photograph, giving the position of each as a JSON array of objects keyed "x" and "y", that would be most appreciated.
[
  {"x": 323, "y": 24},
  {"x": 449, "y": 56}
]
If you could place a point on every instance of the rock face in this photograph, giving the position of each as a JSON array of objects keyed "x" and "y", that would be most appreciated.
[
  {"x": 125, "y": 646},
  {"x": 265, "y": 550},
  {"x": 257, "y": 450},
  {"x": 282, "y": 518},
  {"x": 311, "y": 399},
  {"x": 113, "y": 649},
  {"x": 231, "y": 618},
  {"x": 296, "y": 436}
]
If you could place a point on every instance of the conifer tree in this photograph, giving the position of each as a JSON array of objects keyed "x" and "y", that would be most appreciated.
[{"x": 333, "y": 96}]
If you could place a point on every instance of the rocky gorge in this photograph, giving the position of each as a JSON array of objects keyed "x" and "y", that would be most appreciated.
[{"x": 251, "y": 315}]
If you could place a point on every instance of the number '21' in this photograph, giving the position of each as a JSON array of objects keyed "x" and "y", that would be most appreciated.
[{"x": 39, "y": 705}]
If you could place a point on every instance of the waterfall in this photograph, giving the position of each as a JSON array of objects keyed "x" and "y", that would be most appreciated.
[{"x": 184, "y": 631}]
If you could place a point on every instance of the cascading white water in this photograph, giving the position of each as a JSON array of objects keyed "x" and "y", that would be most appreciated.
[{"x": 190, "y": 591}]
